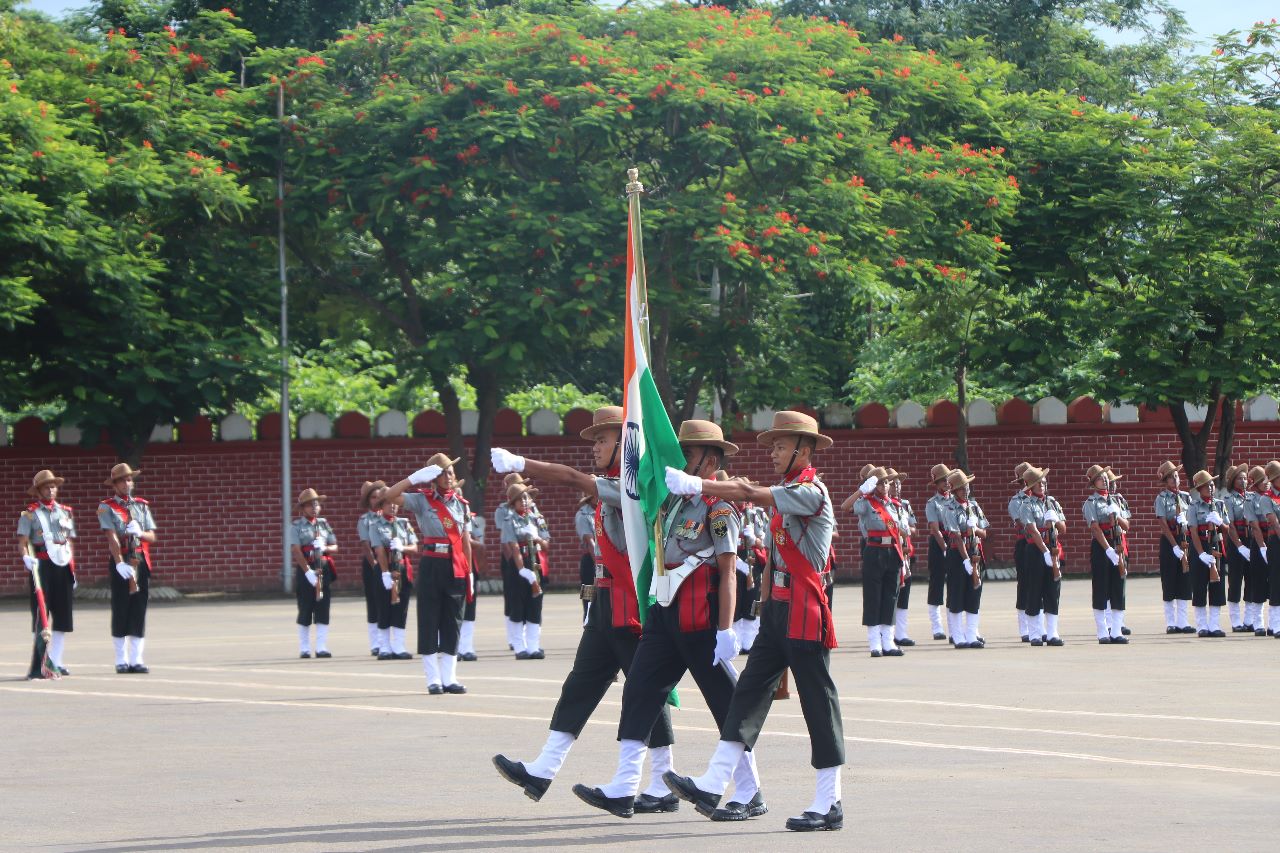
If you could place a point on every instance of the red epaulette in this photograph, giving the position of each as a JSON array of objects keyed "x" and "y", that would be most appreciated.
[
  {"x": 712, "y": 500},
  {"x": 33, "y": 506},
  {"x": 142, "y": 501}
]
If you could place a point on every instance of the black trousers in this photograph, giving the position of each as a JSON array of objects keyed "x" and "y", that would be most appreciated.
[
  {"x": 57, "y": 583},
  {"x": 392, "y": 615},
  {"x": 586, "y": 577},
  {"x": 1273, "y": 569},
  {"x": 664, "y": 655},
  {"x": 440, "y": 600},
  {"x": 937, "y": 572},
  {"x": 603, "y": 651},
  {"x": 371, "y": 580},
  {"x": 1043, "y": 592},
  {"x": 1256, "y": 585},
  {"x": 469, "y": 608},
  {"x": 1108, "y": 586},
  {"x": 1020, "y": 549},
  {"x": 129, "y": 612},
  {"x": 509, "y": 581},
  {"x": 1174, "y": 582},
  {"x": 525, "y": 606},
  {"x": 746, "y": 597},
  {"x": 1237, "y": 574},
  {"x": 962, "y": 596},
  {"x": 880, "y": 573},
  {"x": 1204, "y": 591},
  {"x": 904, "y": 593},
  {"x": 310, "y": 610},
  {"x": 810, "y": 664}
]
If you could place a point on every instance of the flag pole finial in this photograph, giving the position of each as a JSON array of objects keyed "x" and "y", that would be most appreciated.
[{"x": 633, "y": 181}]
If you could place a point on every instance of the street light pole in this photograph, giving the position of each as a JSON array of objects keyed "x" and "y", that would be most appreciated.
[{"x": 286, "y": 462}]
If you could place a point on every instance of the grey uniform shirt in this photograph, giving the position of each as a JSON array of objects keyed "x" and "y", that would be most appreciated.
[
  {"x": 1258, "y": 507},
  {"x": 869, "y": 521},
  {"x": 362, "y": 525},
  {"x": 304, "y": 532},
  {"x": 1236, "y": 514},
  {"x": 62, "y": 527},
  {"x": 692, "y": 527},
  {"x": 1171, "y": 505},
  {"x": 1198, "y": 516},
  {"x": 1015, "y": 506},
  {"x": 516, "y": 529},
  {"x": 428, "y": 522},
  {"x": 109, "y": 519},
  {"x": 808, "y": 517},
  {"x": 382, "y": 530},
  {"x": 610, "y": 494},
  {"x": 584, "y": 524},
  {"x": 964, "y": 518},
  {"x": 935, "y": 512},
  {"x": 1100, "y": 509}
]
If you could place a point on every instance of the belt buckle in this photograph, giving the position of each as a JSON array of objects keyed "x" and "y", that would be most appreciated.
[
  {"x": 599, "y": 571},
  {"x": 780, "y": 579},
  {"x": 755, "y": 608},
  {"x": 587, "y": 592}
]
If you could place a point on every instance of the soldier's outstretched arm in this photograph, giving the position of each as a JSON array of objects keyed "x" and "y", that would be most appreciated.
[{"x": 562, "y": 475}]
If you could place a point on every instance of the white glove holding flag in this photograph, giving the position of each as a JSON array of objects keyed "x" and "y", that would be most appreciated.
[
  {"x": 387, "y": 583},
  {"x": 425, "y": 475},
  {"x": 1113, "y": 556},
  {"x": 528, "y": 575},
  {"x": 1181, "y": 519},
  {"x": 504, "y": 462},
  {"x": 1245, "y": 552},
  {"x": 727, "y": 646},
  {"x": 124, "y": 570},
  {"x": 680, "y": 483},
  {"x": 1177, "y": 552},
  {"x": 311, "y": 576},
  {"x": 1048, "y": 558},
  {"x": 968, "y": 567},
  {"x": 317, "y": 544},
  {"x": 31, "y": 563},
  {"x": 1214, "y": 518},
  {"x": 869, "y": 485},
  {"x": 741, "y": 565},
  {"x": 1206, "y": 558},
  {"x": 132, "y": 528}
]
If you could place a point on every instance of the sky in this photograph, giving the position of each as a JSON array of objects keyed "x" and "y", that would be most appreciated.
[{"x": 1206, "y": 17}]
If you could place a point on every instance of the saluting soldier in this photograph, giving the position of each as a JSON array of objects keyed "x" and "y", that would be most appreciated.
[
  {"x": 1239, "y": 551},
  {"x": 1108, "y": 554},
  {"x": 966, "y": 528},
  {"x": 907, "y": 525},
  {"x": 1206, "y": 518},
  {"x": 933, "y": 516},
  {"x": 45, "y": 530},
  {"x": 130, "y": 532},
  {"x": 1175, "y": 578},
  {"x": 688, "y": 629},
  {"x": 1043, "y": 528},
  {"x": 881, "y": 561},
  {"x": 796, "y": 628},
  {"x": 370, "y": 498},
  {"x": 312, "y": 542},
  {"x": 1020, "y": 549},
  {"x": 1261, "y": 512},
  {"x": 394, "y": 546},
  {"x": 609, "y": 640},
  {"x": 584, "y": 524},
  {"x": 444, "y": 569}
]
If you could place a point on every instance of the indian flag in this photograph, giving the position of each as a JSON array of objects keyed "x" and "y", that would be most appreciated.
[{"x": 649, "y": 443}]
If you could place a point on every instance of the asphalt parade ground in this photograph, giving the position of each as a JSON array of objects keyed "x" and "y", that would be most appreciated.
[{"x": 232, "y": 742}]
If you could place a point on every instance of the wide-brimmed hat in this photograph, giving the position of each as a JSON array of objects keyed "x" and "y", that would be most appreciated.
[
  {"x": 1202, "y": 478},
  {"x": 513, "y": 477},
  {"x": 1111, "y": 473},
  {"x": 1234, "y": 471},
  {"x": 309, "y": 495},
  {"x": 1094, "y": 472},
  {"x": 1033, "y": 475},
  {"x": 1257, "y": 476},
  {"x": 1018, "y": 471},
  {"x": 443, "y": 460},
  {"x": 586, "y": 499},
  {"x": 866, "y": 470},
  {"x": 959, "y": 478},
  {"x": 119, "y": 472},
  {"x": 877, "y": 471},
  {"x": 794, "y": 423},
  {"x": 1165, "y": 469},
  {"x": 1272, "y": 471},
  {"x": 892, "y": 474},
  {"x": 705, "y": 434},
  {"x": 44, "y": 478},
  {"x": 938, "y": 472},
  {"x": 516, "y": 490},
  {"x": 721, "y": 476},
  {"x": 605, "y": 417},
  {"x": 368, "y": 489}
]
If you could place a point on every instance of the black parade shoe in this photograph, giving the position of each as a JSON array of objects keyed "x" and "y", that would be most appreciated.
[
  {"x": 456, "y": 689},
  {"x": 875, "y": 653},
  {"x": 1025, "y": 638},
  {"x": 522, "y": 656},
  {"x": 1203, "y": 632},
  {"x": 375, "y": 652},
  {"x": 616, "y": 806},
  {"x": 1122, "y": 640},
  {"x": 139, "y": 669},
  {"x": 1259, "y": 632},
  {"x": 1172, "y": 630},
  {"x": 304, "y": 655},
  {"x": 1035, "y": 641},
  {"x": 1125, "y": 631},
  {"x": 734, "y": 810},
  {"x": 939, "y": 636},
  {"x": 811, "y": 821},
  {"x": 1104, "y": 641},
  {"x": 122, "y": 669},
  {"x": 386, "y": 656},
  {"x": 1240, "y": 629},
  {"x": 403, "y": 656},
  {"x": 906, "y": 641},
  {"x": 537, "y": 654},
  {"x": 435, "y": 690},
  {"x": 62, "y": 670},
  {"x": 1055, "y": 641},
  {"x": 324, "y": 654},
  {"x": 683, "y": 787},
  {"x": 467, "y": 656},
  {"x": 1187, "y": 629},
  {"x": 1218, "y": 633},
  {"x": 894, "y": 653},
  {"x": 515, "y": 773},
  {"x": 649, "y": 804}
]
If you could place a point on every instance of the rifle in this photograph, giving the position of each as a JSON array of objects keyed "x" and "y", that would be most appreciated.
[
  {"x": 41, "y": 663},
  {"x": 317, "y": 565},
  {"x": 1182, "y": 536},
  {"x": 1119, "y": 544},
  {"x": 131, "y": 556},
  {"x": 1052, "y": 540},
  {"x": 535, "y": 566},
  {"x": 1215, "y": 540}
]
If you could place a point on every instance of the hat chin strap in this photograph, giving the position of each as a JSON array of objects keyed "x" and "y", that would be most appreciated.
[
  {"x": 613, "y": 454},
  {"x": 694, "y": 469},
  {"x": 794, "y": 454}
]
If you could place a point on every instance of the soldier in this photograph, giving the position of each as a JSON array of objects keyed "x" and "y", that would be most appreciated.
[
  {"x": 1236, "y": 499},
  {"x": 933, "y": 516},
  {"x": 688, "y": 629},
  {"x": 1020, "y": 549},
  {"x": 394, "y": 546},
  {"x": 796, "y": 628},
  {"x": 1175, "y": 579},
  {"x": 608, "y": 643},
  {"x": 584, "y": 524},
  {"x": 444, "y": 517},
  {"x": 370, "y": 497},
  {"x": 521, "y": 539},
  {"x": 1206, "y": 516},
  {"x": 312, "y": 541},
  {"x": 1043, "y": 526},
  {"x": 1261, "y": 512},
  {"x": 1113, "y": 481},
  {"x": 750, "y": 564},
  {"x": 45, "y": 531},
  {"x": 906, "y": 517},
  {"x": 1108, "y": 555},
  {"x": 882, "y": 557},
  {"x": 966, "y": 527},
  {"x": 510, "y": 589},
  {"x": 467, "y": 635},
  {"x": 130, "y": 532}
]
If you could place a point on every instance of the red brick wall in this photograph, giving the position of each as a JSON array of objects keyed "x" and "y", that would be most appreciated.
[{"x": 218, "y": 512}]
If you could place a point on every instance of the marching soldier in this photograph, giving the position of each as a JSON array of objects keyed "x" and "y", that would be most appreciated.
[
  {"x": 1239, "y": 553},
  {"x": 1175, "y": 578},
  {"x": 966, "y": 527},
  {"x": 130, "y": 532},
  {"x": 394, "y": 546},
  {"x": 882, "y": 556},
  {"x": 45, "y": 531},
  {"x": 1020, "y": 549},
  {"x": 584, "y": 524},
  {"x": 1108, "y": 554},
  {"x": 1261, "y": 512},
  {"x": 906, "y": 517},
  {"x": 688, "y": 629},
  {"x": 796, "y": 628},
  {"x": 609, "y": 641},
  {"x": 1206, "y": 516},
  {"x": 933, "y": 516},
  {"x": 444, "y": 517},
  {"x": 467, "y": 635},
  {"x": 1043, "y": 526},
  {"x": 521, "y": 539},
  {"x": 750, "y": 565},
  {"x": 312, "y": 541},
  {"x": 370, "y": 499}
]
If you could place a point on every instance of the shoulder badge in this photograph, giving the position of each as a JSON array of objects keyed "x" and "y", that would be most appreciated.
[
  {"x": 720, "y": 525},
  {"x": 103, "y": 509}
]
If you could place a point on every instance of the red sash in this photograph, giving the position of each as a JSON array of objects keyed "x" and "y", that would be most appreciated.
[
  {"x": 810, "y": 614},
  {"x": 890, "y": 523},
  {"x": 622, "y": 587},
  {"x": 126, "y": 517},
  {"x": 461, "y": 569}
]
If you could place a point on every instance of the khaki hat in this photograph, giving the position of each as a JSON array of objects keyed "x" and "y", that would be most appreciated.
[
  {"x": 1234, "y": 471},
  {"x": 938, "y": 472},
  {"x": 605, "y": 417},
  {"x": 368, "y": 489},
  {"x": 705, "y": 434},
  {"x": 309, "y": 495},
  {"x": 119, "y": 472},
  {"x": 585, "y": 499},
  {"x": 1165, "y": 469},
  {"x": 721, "y": 476},
  {"x": 878, "y": 472},
  {"x": 443, "y": 460},
  {"x": 1272, "y": 471},
  {"x": 1094, "y": 472},
  {"x": 1202, "y": 478},
  {"x": 513, "y": 477},
  {"x": 1018, "y": 471},
  {"x": 959, "y": 478},
  {"x": 794, "y": 423},
  {"x": 1257, "y": 476},
  {"x": 1033, "y": 475},
  {"x": 892, "y": 474},
  {"x": 866, "y": 471},
  {"x": 43, "y": 478},
  {"x": 1112, "y": 475},
  {"x": 517, "y": 490}
]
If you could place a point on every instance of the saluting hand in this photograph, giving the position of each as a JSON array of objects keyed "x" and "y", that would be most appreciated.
[
  {"x": 680, "y": 483},
  {"x": 425, "y": 475},
  {"x": 504, "y": 462}
]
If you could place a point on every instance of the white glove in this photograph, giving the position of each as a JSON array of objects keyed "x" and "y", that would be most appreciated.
[
  {"x": 968, "y": 567},
  {"x": 311, "y": 576},
  {"x": 727, "y": 646},
  {"x": 395, "y": 544},
  {"x": 386, "y": 580},
  {"x": 1113, "y": 556},
  {"x": 504, "y": 462},
  {"x": 317, "y": 544},
  {"x": 1206, "y": 558},
  {"x": 1177, "y": 552},
  {"x": 1048, "y": 558},
  {"x": 132, "y": 528},
  {"x": 680, "y": 483},
  {"x": 124, "y": 570},
  {"x": 869, "y": 485},
  {"x": 1262, "y": 552},
  {"x": 425, "y": 475},
  {"x": 1181, "y": 519},
  {"x": 1245, "y": 552},
  {"x": 31, "y": 563},
  {"x": 741, "y": 565},
  {"x": 1052, "y": 516},
  {"x": 528, "y": 575},
  {"x": 1214, "y": 518}
]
